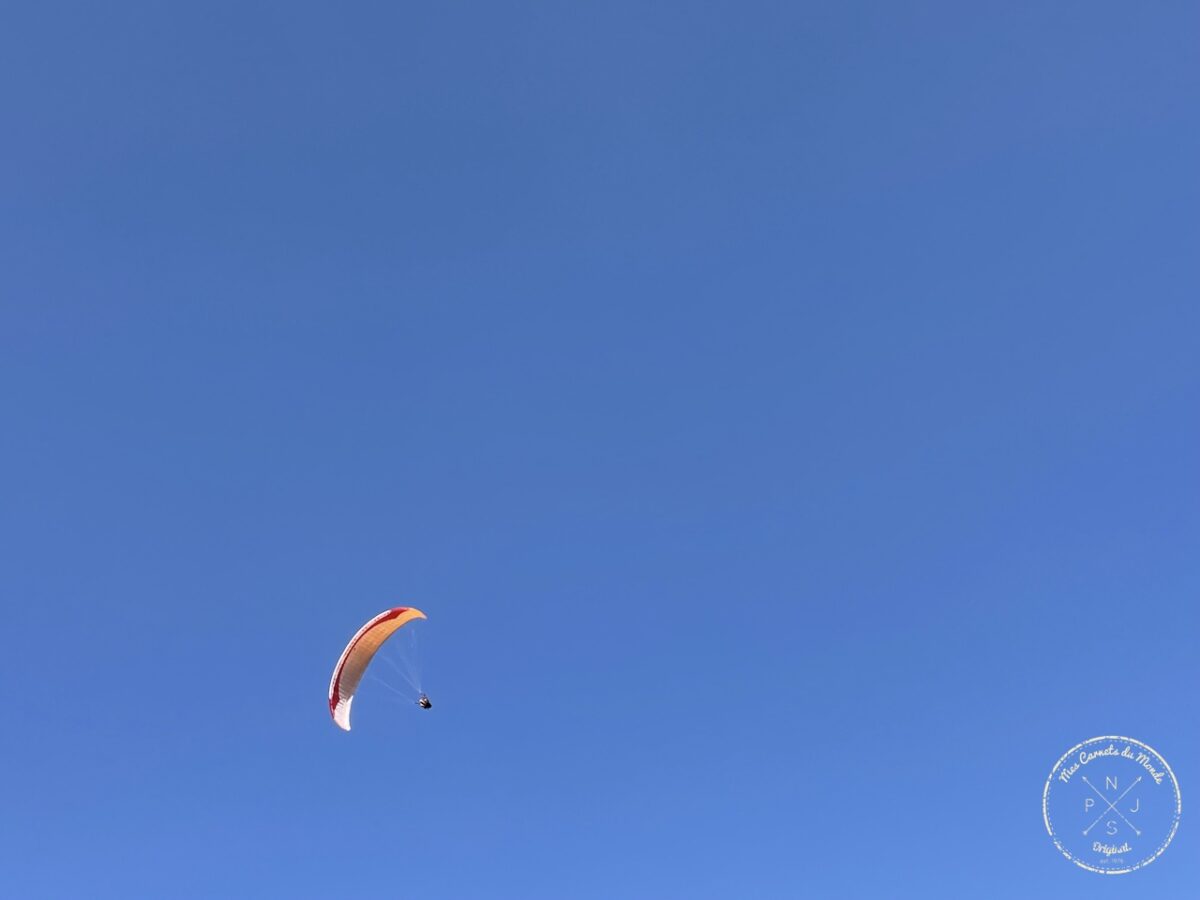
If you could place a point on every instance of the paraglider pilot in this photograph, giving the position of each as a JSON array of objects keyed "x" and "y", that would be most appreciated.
[{"x": 424, "y": 702}]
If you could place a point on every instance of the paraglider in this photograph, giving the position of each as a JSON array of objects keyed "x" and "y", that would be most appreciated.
[{"x": 357, "y": 656}]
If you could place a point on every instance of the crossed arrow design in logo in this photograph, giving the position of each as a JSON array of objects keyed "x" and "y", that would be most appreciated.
[{"x": 1112, "y": 804}]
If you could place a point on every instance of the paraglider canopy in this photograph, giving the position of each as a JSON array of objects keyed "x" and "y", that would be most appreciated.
[{"x": 357, "y": 656}]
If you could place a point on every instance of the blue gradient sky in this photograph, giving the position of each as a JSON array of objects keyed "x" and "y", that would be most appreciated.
[{"x": 785, "y": 412}]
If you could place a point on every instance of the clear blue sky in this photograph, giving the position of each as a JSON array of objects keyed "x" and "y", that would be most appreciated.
[{"x": 785, "y": 412}]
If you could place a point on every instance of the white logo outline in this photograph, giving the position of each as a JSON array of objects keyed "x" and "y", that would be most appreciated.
[{"x": 1111, "y": 805}]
